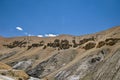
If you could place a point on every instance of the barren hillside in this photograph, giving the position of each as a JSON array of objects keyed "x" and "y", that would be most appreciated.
[{"x": 65, "y": 57}]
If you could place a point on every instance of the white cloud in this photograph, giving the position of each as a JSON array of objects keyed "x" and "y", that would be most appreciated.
[
  {"x": 19, "y": 28},
  {"x": 50, "y": 35},
  {"x": 39, "y": 35}
]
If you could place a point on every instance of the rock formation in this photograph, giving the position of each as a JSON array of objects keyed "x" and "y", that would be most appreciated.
[{"x": 65, "y": 57}]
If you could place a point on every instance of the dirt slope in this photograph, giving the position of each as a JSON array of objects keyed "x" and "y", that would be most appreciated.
[{"x": 65, "y": 57}]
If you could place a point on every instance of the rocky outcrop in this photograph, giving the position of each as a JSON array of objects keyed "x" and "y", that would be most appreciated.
[
  {"x": 23, "y": 65},
  {"x": 112, "y": 41},
  {"x": 83, "y": 41},
  {"x": 61, "y": 44},
  {"x": 108, "y": 41},
  {"x": 36, "y": 45},
  {"x": 89, "y": 45},
  {"x": 100, "y": 44},
  {"x": 13, "y": 74},
  {"x": 53, "y": 63},
  {"x": 16, "y": 74},
  {"x": 106, "y": 70},
  {"x": 83, "y": 67},
  {"x": 16, "y": 44}
]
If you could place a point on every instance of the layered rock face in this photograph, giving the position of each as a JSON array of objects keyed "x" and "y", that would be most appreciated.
[
  {"x": 65, "y": 57},
  {"x": 94, "y": 67}
]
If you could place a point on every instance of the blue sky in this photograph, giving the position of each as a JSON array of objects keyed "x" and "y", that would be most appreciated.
[{"x": 74, "y": 17}]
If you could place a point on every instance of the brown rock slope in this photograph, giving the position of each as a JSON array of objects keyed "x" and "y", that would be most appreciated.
[
  {"x": 65, "y": 57},
  {"x": 7, "y": 71}
]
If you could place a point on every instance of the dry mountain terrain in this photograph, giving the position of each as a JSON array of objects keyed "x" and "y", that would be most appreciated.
[{"x": 65, "y": 57}]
